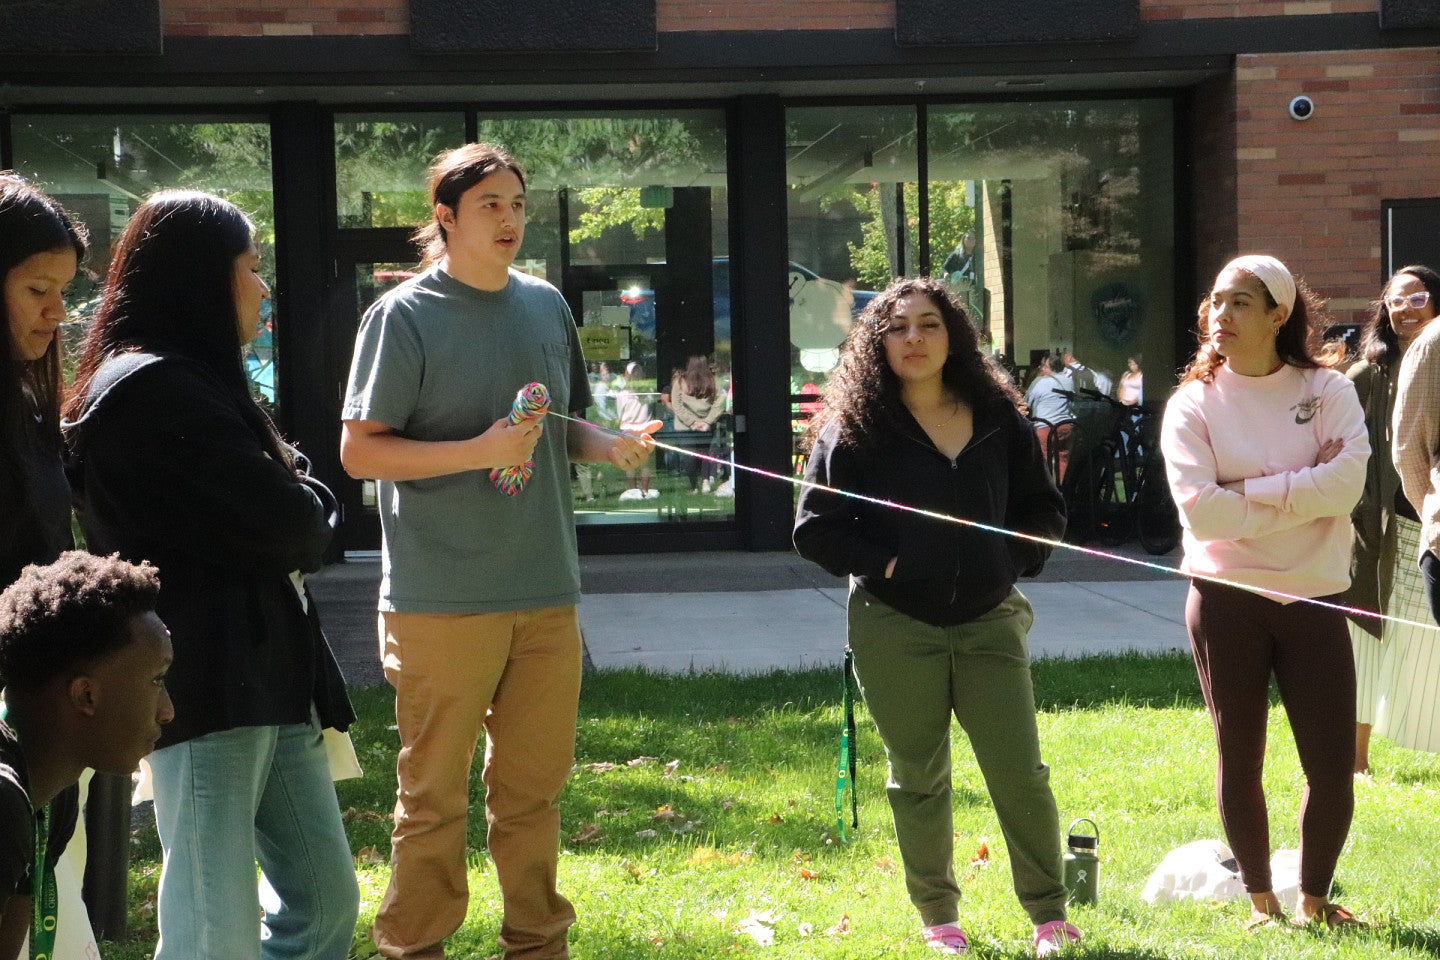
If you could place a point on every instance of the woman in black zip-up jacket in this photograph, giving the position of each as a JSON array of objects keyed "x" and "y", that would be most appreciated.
[
  {"x": 175, "y": 463},
  {"x": 916, "y": 415}
]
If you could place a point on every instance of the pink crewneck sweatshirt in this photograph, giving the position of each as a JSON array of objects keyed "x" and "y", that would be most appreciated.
[{"x": 1289, "y": 530}]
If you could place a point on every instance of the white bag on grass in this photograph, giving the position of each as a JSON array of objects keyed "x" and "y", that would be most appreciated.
[
  {"x": 1206, "y": 870},
  {"x": 1203, "y": 870}
]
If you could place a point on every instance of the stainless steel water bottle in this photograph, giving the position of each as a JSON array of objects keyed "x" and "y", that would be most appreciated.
[{"x": 1082, "y": 863}]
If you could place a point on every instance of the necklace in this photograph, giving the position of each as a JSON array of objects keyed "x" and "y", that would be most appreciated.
[{"x": 954, "y": 409}]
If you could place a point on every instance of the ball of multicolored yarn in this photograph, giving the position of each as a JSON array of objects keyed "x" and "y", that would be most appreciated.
[{"x": 531, "y": 403}]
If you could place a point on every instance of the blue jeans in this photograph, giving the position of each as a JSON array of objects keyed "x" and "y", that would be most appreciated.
[{"x": 227, "y": 800}]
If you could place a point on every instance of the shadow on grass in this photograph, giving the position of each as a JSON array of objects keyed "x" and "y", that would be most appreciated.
[{"x": 1424, "y": 940}]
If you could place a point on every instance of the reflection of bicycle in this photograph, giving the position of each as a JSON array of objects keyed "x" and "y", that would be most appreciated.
[{"x": 1116, "y": 486}]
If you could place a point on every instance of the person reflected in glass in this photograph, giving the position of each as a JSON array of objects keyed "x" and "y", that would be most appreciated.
[
  {"x": 698, "y": 403},
  {"x": 177, "y": 464},
  {"x": 633, "y": 410},
  {"x": 918, "y": 414},
  {"x": 1132, "y": 383},
  {"x": 1266, "y": 455},
  {"x": 1053, "y": 412}
]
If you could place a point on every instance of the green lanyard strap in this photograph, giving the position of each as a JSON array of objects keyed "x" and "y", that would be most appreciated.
[
  {"x": 845, "y": 766},
  {"x": 42, "y": 883},
  {"x": 47, "y": 899}
]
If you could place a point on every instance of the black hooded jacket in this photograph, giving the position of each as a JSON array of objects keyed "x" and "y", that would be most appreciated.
[
  {"x": 167, "y": 470},
  {"x": 946, "y": 573}
]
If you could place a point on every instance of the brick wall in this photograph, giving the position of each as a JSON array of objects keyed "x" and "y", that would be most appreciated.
[
  {"x": 1310, "y": 192},
  {"x": 255, "y": 18},
  {"x": 775, "y": 14},
  {"x": 362, "y": 17},
  {"x": 1201, "y": 9},
  {"x": 273, "y": 18}
]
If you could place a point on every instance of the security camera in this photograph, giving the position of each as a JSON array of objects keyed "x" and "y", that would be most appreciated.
[{"x": 1302, "y": 108}]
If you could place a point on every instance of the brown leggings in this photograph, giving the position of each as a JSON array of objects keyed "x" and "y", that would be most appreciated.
[{"x": 1238, "y": 639}]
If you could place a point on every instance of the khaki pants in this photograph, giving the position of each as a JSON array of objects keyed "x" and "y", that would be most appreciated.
[{"x": 517, "y": 675}]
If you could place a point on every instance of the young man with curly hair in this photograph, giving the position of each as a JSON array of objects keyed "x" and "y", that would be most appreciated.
[{"x": 83, "y": 659}]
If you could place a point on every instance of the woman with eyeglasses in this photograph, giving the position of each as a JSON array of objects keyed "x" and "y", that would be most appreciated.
[
  {"x": 1407, "y": 709},
  {"x": 1265, "y": 452},
  {"x": 917, "y": 413}
]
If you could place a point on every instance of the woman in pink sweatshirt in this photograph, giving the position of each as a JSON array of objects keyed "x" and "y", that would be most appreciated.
[{"x": 1266, "y": 452}]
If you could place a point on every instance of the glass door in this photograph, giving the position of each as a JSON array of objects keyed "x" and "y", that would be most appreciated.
[{"x": 361, "y": 281}]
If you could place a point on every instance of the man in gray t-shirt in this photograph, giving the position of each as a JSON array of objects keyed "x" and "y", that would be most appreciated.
[{"x": 477, "y": 603}]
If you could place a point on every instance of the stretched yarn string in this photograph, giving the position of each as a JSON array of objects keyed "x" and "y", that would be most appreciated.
[
  {"x": 1061, "y": 544},
  {"x": 531, "y": 403}
]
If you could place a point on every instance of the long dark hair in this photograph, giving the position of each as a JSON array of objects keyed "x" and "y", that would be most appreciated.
[
  {"x": 1297, "y": 342},
  {"x": 451, "y": 174},
  {"x": 171, "y": 289},
  {"x": 30, "y": 223},
  {"x": 700, "y": 379},
  {"x": 864, "y": 393},
  {"x": 1378, "y": 342}
]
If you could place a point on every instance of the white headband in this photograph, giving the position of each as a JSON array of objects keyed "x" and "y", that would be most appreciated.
[{"x": 1272, "y": 273}]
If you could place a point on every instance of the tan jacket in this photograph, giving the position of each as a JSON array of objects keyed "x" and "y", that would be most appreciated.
[{"x": 1415, "y": 432}]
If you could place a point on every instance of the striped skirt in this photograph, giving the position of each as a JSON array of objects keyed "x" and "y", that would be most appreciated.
[{"x": 1407, "y": 707}]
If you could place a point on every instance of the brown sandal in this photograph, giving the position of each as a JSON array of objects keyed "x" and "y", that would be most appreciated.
[{"x": 1333, "y": 916}]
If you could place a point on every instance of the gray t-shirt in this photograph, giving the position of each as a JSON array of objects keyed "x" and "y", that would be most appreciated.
[{"x": 437, "y": 359}]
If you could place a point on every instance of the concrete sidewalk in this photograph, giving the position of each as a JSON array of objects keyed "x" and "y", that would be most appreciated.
[
  {"x": 773, "y": 629},
  {"x": 753, "y": 612}
]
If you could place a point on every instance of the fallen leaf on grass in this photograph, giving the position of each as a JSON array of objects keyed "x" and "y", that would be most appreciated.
[
  {"x": 671, "y": 767},
  {"x": 776, "y": 819},
  {"x": 885, "y": 865},
  {"x": 351, "y": 815},
  {"x": 369, "y": 856},
  {"x": 640, "y": 761},
  {"x": 841, "y": 929},
  {"x": 704, "y": 856},
  {"x": 646, "y": 834},
  {"x": 981, "y": 857},
  {"x": 664, "y": 814},
  {"x": 604, "y": 766},
  {"x": 805, "y": 929},
  {"x": 759, "y": 926},
  {"x": 590, "y": 833},
  {"x": 807, "y": 874}
]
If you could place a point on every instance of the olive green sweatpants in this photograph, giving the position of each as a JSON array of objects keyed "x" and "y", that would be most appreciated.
[{"x": 914, "y": 678}]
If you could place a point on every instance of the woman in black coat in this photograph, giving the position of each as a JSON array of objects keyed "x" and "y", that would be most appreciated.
[
  {"x": 176, "y": 464},
  {"x": 917, "y": 415},
  {"x": 40, "y": 252}
]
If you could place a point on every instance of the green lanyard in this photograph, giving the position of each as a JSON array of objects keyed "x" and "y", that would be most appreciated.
[
  {"x": 42, "y": 885},
  {"x": 845, "y": 766},
  {"x": 47, "y": 900}
]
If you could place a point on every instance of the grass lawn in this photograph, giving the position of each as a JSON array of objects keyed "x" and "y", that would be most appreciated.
[{"x": 715, "y": 824}]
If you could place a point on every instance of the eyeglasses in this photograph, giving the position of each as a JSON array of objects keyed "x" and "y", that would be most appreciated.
[{"x": 1416, "y": 301}]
